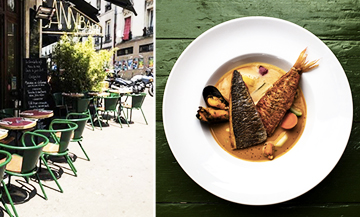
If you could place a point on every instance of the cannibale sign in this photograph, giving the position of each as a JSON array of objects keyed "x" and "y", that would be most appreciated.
[{"x": 35, "y": 83}]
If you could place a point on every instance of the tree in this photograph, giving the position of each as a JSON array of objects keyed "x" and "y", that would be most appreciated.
[{"x": 80, "y": 67}]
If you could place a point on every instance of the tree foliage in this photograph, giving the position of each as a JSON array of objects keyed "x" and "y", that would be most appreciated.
[{"x": 79, "y": 66}]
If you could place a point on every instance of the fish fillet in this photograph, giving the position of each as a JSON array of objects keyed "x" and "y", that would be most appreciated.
[
  {"x": 278, "y": 99},
  {"x": 246, "y": 127}
]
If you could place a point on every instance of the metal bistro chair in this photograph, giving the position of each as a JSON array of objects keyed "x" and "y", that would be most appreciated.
[
  {"x": 82, "y": 106},
  {"x": 59, "y": 102},
  {"x": 58, "y": 145},
  {"x": 25, "y": 158},
  {"x": 110, "y": 105},
  {"x": 7, "y": 113},
  {"x": 5, "y": 160},
  {"x": 136, "y": 102},
  {"x": 80, "y": 119}
]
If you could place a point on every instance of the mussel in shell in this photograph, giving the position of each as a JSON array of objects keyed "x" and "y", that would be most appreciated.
[
  {"x": 218, "y": 107},
  {"x": 211, "y": 115},
  {"x": 213, "y": 98}
]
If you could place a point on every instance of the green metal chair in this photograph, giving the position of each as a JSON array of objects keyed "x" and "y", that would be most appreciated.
[
  {"x": 136, "y": 103},
  {"x": 7, "y": 113},
  {"x": 80, "y": 119},
  {"x": 25, "y": 158},
  {"x": 82, "y": 106},
  {"x": 58, "y": 145},
  {"x": 5, "y": 160},
  {"x": 110, "y": 105},
  {"x": 59, "y": 102}
]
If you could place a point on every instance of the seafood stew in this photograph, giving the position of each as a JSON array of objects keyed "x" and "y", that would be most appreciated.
[
  {"x": 265, "y": 105},
  {"x": 255, "y": 84}
]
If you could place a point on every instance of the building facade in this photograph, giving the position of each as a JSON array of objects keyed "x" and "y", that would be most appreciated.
[{"x": 130, "y": 34}]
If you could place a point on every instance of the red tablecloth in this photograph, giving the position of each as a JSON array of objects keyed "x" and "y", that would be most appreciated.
[{"x": 16, "y": 123}]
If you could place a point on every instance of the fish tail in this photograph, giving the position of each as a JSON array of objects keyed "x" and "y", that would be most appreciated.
[{"x": 302, "y": 65}]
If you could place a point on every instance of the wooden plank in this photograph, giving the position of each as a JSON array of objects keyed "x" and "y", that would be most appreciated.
[
  {"x": 228, "y": 209},
  {"x": 328, "y": 19},
  {"x": 168, "y": 51},
  {"x": 337, "y": 24}
]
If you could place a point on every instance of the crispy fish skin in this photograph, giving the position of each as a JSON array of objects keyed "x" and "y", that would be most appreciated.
[
  {"x": 279, "y": 98},
  {"x": 246, "y": 127}
]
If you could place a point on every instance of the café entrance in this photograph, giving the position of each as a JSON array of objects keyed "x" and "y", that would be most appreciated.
[{"x": 10, "y": 44}]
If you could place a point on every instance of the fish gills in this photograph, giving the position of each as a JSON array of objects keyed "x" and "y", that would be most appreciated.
[{"x": 246, "y": 127}]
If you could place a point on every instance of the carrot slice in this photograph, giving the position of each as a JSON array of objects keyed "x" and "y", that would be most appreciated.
[{"x": 289, "y": 121}]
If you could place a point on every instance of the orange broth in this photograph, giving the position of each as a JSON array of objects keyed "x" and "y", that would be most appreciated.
[{"x": 257, "y": 86}]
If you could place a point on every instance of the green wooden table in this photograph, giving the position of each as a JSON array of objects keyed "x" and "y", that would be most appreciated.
[{"x": 337, "y": 24}]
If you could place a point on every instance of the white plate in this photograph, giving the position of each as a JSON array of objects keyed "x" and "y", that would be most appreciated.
[{"x": 326, "y": 90}]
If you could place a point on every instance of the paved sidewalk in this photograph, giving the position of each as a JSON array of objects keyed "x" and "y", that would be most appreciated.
[{"x": 117, "y": 181}]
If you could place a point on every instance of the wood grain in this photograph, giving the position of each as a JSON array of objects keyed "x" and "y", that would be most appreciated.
[{"x": 337, "y": 24}]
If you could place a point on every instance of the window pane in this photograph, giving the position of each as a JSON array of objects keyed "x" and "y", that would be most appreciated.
[
  {"x": 11, "y": 43},
  {"x": 11, "y": 5}
]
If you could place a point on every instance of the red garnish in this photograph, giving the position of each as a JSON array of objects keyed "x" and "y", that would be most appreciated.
[{"x": 262, "y": 70}]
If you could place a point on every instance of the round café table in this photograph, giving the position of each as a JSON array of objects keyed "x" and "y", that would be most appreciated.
[
  {"x": 72, "y": 98},
  {"x": 3, "y": 134},
  {"x": 99, "y": 94},
  {"x": 75, "y": 95},
  {"x": 37, "y": 114},
  {"x": 17, "y": 123}
]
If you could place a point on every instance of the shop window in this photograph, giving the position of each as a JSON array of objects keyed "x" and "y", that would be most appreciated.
[
  {"x": 125, "y": 51},
  {"x": 107, "y": 31},
  {"x": 127, "y": 29},
  {"x": 11, "y": 5},
  {"x": 146, "y": 48}
]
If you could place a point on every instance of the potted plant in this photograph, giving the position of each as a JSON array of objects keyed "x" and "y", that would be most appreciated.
[{"x": 80, "y": 67}]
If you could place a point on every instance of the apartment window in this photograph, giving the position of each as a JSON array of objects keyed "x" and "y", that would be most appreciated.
[
  {"x": 97, "y": 41},
  {"x": 127, "y": 29},
  {"x": 107, "y": 31},
  {"x": 108, "y": 7},
  {"x": 125, "y": 51},
  {"x": 146, "y": 48},
  {"x": 98, "y": 4},
  {"x": 151, "y": 18}
]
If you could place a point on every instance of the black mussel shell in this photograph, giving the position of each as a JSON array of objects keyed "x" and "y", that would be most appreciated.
[{"x": 210, "y": 91}]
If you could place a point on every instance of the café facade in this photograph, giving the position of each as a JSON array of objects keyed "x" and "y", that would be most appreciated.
[{"x": 25, "y": 27}]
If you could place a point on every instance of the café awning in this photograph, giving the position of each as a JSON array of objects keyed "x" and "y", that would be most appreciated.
[
  {"x": 126, "y": 4},
  {"x": 70, "y": 17},
  {"x": 86, "y": 8}
]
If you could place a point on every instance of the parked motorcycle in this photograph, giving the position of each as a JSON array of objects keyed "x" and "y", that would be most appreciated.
[
  {"x": 136, "y": 84},
  {"x": 146, "y": 80}
]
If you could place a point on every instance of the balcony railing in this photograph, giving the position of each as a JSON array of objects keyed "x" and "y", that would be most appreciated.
[
  {"x": 151, "y": 30},
  {"x": 147, "y": 31}
]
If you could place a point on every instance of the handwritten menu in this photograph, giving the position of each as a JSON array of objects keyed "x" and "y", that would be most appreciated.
[{"x": 35, "y": 83}]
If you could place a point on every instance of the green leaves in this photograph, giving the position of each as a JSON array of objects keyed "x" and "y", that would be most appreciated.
[{"x": 80, "y": 67}]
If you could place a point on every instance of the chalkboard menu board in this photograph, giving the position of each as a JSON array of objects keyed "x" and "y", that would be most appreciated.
[{"x": 35, "y": 83}]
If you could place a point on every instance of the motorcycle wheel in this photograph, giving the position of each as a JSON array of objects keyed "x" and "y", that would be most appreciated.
[{"x": 151, "y": 90}]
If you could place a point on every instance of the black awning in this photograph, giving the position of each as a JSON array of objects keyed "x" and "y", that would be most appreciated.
[
  {"x": 86, "y": 8},
  {"x": 126, "y": 4}
]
